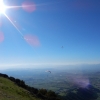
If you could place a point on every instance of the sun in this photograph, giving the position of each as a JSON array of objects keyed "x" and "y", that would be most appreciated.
[{"x": 2, "y": 7}]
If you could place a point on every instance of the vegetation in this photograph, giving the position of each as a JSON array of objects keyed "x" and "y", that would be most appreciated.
[
  {"x": 10, "y": 91},
  {"x": 89, "y": 93},
  {"x": 16, "y": 89},
  {"x": 66, "y": 90}
]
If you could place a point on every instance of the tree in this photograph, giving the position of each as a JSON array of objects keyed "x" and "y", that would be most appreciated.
[{"x": 43, "y": 91}]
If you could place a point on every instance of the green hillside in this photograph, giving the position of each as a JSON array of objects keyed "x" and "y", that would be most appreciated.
[
  {"x": 16, "y": 89},
  {"x": 10, "y": 91}
]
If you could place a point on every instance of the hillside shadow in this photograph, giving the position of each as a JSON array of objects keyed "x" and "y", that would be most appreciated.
[{"x": 89, "y": 93}]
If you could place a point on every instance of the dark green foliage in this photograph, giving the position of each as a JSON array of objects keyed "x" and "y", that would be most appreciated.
[
  {"x": 41, "y": 96},
  {"x": 12, "y": 79},
  {"x": 51, "y": 94},
  {"x": 4, "y": 75},
  {"x": 32, "y": 90},
  {"x": 17, "y": 81},
  {"x": 42, "y": 93}
]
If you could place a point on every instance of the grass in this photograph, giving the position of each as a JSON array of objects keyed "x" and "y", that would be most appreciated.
[{"x": 10, "y": 91}]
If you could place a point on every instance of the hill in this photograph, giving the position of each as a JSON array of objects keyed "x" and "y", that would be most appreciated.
[
  {"x": 10, "y": 91},
  {"x": 16, "y": 89}
]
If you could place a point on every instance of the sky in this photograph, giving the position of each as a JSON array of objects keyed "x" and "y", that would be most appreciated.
[{"x": 49, "y": 32}]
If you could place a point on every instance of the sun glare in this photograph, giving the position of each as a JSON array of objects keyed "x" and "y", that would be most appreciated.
[{"x": 2, "y": 7}]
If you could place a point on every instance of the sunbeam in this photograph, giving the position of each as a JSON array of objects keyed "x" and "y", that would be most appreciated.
[{"x": 13, "y": 24}]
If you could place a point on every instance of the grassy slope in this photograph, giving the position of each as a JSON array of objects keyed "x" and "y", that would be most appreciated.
[{"x": 10, "y": 91}]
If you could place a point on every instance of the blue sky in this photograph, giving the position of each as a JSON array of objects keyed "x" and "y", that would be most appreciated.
[{"x": 38, "y": 34}]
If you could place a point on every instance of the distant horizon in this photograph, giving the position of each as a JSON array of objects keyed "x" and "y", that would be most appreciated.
[{"x": 32, "y": 66}]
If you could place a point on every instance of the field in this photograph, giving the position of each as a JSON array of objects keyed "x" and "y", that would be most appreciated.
[{"x": 61, "y": 80}]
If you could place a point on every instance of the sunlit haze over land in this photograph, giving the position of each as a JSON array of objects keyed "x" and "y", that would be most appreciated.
[{"x": 49, "y": 32}]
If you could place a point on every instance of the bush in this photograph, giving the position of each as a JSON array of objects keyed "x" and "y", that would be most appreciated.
[
  {"x": 43, "y": 91},
  {"x": 12, "y": 79}
]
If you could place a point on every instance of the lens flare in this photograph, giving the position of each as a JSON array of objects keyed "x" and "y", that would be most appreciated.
[
  {"x": 79, "y": 81},
  {"x": 32, "y": 40},
  {"x": 1, "y": 37},
  {"x": 2, "y": 7},
  {"x": 29, "y": 6}
]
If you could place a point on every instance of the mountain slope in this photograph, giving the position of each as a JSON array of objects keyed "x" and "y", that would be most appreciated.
[{"x": 10, "y": 91}]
